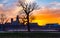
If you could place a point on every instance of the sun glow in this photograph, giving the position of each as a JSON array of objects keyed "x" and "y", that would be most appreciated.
[
  {"x": 39, "y": 22},
  {"x": 29, "y": 1}
]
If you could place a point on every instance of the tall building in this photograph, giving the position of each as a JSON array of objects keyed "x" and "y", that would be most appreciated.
[{"x": 15, "y": 22}]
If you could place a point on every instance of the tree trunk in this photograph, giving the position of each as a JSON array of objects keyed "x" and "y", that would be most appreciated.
[{"x": 28, "y": 23}]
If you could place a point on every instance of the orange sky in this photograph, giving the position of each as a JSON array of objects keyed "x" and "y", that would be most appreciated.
[
  {"x": 42, "y": 16},
  {"x": 46, "y": 15}
]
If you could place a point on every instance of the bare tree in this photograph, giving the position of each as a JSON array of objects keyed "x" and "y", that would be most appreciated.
[
  {"x": 2, "y": 18},
  {"x": 22, "y": 16},
  {"x": 27, "y": 8}
]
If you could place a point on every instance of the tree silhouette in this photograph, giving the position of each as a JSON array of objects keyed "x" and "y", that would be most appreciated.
[
  {"x": 27, "y": 8},
  {"x": 2, "y": 18},
  {"x": 22, "y": 17}
]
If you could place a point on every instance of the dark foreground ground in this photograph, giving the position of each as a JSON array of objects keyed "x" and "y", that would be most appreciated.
[{"x": 30, "y": 35}]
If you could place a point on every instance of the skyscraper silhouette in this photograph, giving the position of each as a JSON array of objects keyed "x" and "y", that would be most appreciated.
[{"x": 15, "y": 22}]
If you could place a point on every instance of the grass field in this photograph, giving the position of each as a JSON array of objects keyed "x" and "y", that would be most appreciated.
[{"x": 29, "y": 34}]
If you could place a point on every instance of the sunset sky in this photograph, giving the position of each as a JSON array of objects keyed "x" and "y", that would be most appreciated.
[{"x": 49, "y": 11}]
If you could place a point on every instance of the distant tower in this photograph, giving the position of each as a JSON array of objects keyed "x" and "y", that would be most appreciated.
[
  {"x": 17, "y": 19},
  {"x": 11, "y": 20}
]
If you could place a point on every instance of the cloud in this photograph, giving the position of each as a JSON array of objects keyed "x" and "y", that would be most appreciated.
[
  {"x": 10, "y": 11},
  {"x": 54, "y": 5},
  {"x": 5, "y": 1},
  {"x": 29, "y": 1},
  {"x": 1, "y": 5}
]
